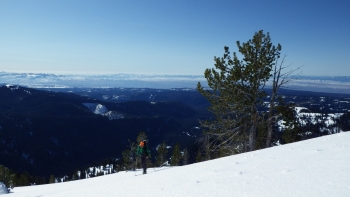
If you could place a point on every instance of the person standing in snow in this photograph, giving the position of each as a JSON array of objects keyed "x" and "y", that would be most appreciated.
[{"x": 144, "y": 153}]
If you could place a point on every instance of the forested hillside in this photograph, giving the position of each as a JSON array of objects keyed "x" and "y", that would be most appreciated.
[
  {"x": 55, "y": 133},
  {"x": 59, "y": 132}
]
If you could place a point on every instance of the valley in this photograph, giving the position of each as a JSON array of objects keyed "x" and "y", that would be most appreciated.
[{"x": 59, "y": 130}]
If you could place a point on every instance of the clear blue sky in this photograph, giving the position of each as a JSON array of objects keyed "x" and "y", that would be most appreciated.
[{"x": 167, "y": 37}]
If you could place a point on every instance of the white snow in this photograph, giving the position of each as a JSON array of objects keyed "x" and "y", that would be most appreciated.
[
  {"x": 100, "y": 109},
  {"x": 3, "y": 189},
  {"x": 298, "y": 109},
  {"x": 307, "y": 117},
  {"x": 113, "y": 115},
  {"x": 314, "y": 168},
  {"x": 97, "y": 108}
]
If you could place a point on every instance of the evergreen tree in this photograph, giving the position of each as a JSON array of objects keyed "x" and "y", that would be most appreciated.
[
  {"x": 83, "y": 174},
  {"x": 199, "y": 156},
  {"x": 185, "y": 157},
  {"x": 94, "y": 170},
  {"x": 23, "y": 179},
  {"x": 292, "y": 131},
  {"x": 149, "y": 163},
  {"x": 344, "y": 122},
  {"x": 76, "y": 175},
  {"x": 141, "y": 136},
  {"x": 128, "y": 160},
  {"x": 7, "y": 177},
  {"x": 162, "y": 152},
  {"x": 176, "y": 156},
  {"x": 52, "y": 179},
  {"x": 222, "y": 152},
  {"x": 205, "y": 144},
  {"x": 236, "y": 91}
]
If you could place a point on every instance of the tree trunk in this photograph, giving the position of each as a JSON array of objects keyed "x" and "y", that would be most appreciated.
[
  {"x": 252, "y": 134},
  {"x": 207, "y": 148},
  {"x": 269, "y": 120}
]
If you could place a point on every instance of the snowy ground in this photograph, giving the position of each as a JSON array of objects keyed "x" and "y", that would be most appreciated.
[
  {"x": 317, "y": 167},
  {"x": 328, "y": 120}
]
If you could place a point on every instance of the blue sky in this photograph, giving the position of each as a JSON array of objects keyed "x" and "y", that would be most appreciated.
[{"x": 167, "y": 37}]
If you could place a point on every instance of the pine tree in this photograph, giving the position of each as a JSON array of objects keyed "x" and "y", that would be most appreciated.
[
  {"x": 76, "y": 175},
  {"x": 185, "y": 157},
  {"x": 176, "y": 156},
  {"x": 236, "y": 91},
  {"x": 344, "y": 122},
  {"x": 149, "y": 163},
  {"x": 83, "y": 174},
  {"x": 52, "y": 179},
  {"x": 292, "y": 131},
  {"x": 199, "y": 156},
  {"x": 128, "y": 160},
  {"x": 23, "y": 179},
  {"x": 7, "y": 177},
  {"x": 141, "y": 136},
  {"x": 162, "y": 152}
]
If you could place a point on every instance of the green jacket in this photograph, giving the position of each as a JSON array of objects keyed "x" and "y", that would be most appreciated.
[{"x": 143, "y": 151}]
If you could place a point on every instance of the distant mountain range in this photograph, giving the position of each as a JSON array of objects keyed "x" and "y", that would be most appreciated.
[{"x": 331, "y": 84}]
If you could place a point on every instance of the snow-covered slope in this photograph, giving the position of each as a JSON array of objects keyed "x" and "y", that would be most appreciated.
[{"x": 316, "y": 167}]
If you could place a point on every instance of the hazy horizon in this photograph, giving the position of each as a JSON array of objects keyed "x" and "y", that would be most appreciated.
[{"x": 330, "y": 84}]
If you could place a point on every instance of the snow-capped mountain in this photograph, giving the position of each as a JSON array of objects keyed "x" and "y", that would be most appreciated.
[
  {"x": 332, "y": 84},
  {"x": 42, "y": 80},
  {"x": 314, "y": 168},
  {"x": 102, "y": 110}
]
